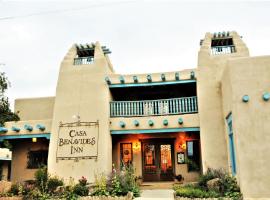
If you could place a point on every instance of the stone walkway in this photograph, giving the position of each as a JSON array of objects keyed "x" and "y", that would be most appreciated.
[{"x": 160, "y": 194}]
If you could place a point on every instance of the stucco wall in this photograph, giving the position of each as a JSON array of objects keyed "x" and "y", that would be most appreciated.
[
  {"x": 250, "y": 76},
  {"x": 19, "y": 171},
  {"x": 43, "y": 107},
  {"x": 210, "y": 69},
  {"x": 82, "y": 90}
]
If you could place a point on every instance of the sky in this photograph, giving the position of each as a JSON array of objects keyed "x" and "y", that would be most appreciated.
[{"x": 144, "y": 36}]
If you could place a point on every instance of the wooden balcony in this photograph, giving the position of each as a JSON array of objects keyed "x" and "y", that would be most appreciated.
[{"x": 159, "y": 107}]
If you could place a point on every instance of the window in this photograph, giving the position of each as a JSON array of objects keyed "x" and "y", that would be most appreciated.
[
  {"x": 126, "y": 153},
  {"x": 37, "y": 159},
  {"x": 193, "y": 155},
  {"x": 231, "y": 144}
]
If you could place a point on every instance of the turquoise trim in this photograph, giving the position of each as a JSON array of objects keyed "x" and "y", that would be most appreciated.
[
  {"x": 165, "y": 122},
  {"x": 231, "y": 144},
  {"x": 149, "y": 78},
  {"x": 136, "y": 122},
  {"x": 180, "y": 121},
  {"x": 28, "y": 127},
  {"x": 163, "y": 77},
  {"x": 3, "y": 130},
  {"x": 266, "y": 96},
  {"x": 122, "y": 124},
  {"x": 19, "y": 136},
  {"x": 166, "y": 130},
  {"x": 122, "y": 80},
  {"x": 16, "y": 129},
  {"x": 41, "y": 127},
  {"x": 135, "y": 79},
  {"x": 107, "y": 79},
  {"x": 177, "y": 76},
  {"x": 152, "y": 83},
  {"x": 150, "y": 122},
  {"x": 245, "y": 98},
  {"x": 192, "y": 75}
]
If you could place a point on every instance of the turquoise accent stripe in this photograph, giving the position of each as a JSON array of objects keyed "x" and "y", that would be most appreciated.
[
  {"x": 166, "y": 130},
  {"x": 151, "y": 83},
  {"x": 19, "y": 136},
  {"x": 231, "y": 144}
]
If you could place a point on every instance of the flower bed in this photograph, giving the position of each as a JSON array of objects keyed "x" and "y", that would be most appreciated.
[
  {"x": 214, "y": 184},
  {"x": 129, "y": 196}
]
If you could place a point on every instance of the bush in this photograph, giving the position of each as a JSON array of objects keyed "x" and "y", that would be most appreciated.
[
  {"x": 53, "y": 183},
  {"x": 14, "y": 190},
  {"x": 80, "y": 190},
  {"x": 41, "y": 176},
  {"x": 193, "y": 192}
]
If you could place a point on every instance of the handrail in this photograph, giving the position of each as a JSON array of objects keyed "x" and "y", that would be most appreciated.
[
  {"x": 217, "y": 50},
  {"x": 83, "y": 60},
  {"x": 154, "y": 107}
]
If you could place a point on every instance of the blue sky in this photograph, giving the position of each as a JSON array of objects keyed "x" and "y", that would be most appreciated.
[{"x": 144, "y": 36}]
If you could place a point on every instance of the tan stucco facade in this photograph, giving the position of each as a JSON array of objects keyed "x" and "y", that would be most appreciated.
[{"x": 198, "y": 109}]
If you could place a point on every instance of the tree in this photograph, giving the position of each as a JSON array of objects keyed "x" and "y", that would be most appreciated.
[{"x": 5, "y": 112}]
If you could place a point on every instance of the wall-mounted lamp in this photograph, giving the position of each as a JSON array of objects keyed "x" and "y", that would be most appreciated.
[
  {"x": 136, "y": 146},
  {"x": 34, "y": 139},
  {"x": 192, "y": 74}
]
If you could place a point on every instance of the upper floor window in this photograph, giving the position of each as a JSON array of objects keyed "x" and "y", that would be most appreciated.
[
  {"x": 85, "y": 54},
  {"x": 222, "y": 46}
]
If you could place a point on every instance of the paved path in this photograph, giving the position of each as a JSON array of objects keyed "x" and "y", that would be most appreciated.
[{"x": 160, "y": 194}]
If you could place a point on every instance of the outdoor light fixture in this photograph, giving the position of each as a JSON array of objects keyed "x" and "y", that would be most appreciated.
[
  {"x": 34, "y": 139},
  {"x": 136, "y": 146},
  {"x": 192, "y": 74}
]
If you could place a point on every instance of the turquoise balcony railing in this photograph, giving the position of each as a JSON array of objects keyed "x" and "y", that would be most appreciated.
[
  {"x": 154, "y": 107},
  {"x": 217, "y": 50},
  {"x": 83, "y": 60}
]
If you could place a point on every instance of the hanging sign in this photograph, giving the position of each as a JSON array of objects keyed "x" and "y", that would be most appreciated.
[{"x": 77, "y": 140}]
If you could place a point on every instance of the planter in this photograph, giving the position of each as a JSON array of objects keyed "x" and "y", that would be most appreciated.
[{"x": 129, "y": 196}]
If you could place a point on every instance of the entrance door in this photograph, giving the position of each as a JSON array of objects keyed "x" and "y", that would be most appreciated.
[{"x": 158, "y": 160}]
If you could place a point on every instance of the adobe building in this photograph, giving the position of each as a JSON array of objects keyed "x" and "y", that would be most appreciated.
[{"x": 173, "y": 123}]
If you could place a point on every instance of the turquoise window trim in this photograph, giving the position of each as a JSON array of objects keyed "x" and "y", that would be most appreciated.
[
  {"x": 25, "y": 136},
  {"x": 231, "y": 144},
  {"x": 146, "y": 131},
  {"x": 151, "y": 83}
]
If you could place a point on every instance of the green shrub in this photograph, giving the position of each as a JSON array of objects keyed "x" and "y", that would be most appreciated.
[
  {"x": 53, "y": 183},
  {"x": 193, "y": 192},
  {"x": 80, "y": 190},
  {"x": 14, "y": 190},
  {"x": 100, "y": 186},
  {"x": 209, "y": 175},
  {"x": 41, "y": 177}
]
